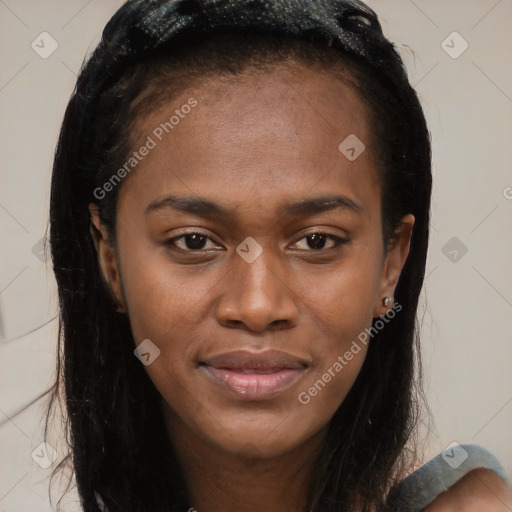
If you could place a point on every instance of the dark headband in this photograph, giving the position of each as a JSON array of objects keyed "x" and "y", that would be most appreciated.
[{"x": 141, "y": 27}]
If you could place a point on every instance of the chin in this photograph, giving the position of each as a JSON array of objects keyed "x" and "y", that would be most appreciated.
[{"x": 262, "y": 437}]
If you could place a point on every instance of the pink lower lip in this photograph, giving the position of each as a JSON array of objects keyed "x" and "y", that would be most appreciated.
[{"x": 255, "y": 386}]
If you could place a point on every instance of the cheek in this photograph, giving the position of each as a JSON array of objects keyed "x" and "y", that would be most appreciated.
[
  {"x": 341, "y": 313},
  {"x": 341, "y": 305},
  {"x": 341, "y": 301},
  {"x": 162, "y": 299},
  {"x": 326, "y": 388}
]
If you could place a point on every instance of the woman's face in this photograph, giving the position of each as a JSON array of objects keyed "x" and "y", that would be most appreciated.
[{"x": 236, "y": 181}]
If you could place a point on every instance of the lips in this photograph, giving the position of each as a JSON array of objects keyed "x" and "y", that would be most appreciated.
[{"x": 254, "y": 376}]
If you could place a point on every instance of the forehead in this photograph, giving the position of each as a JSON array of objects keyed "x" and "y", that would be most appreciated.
[{"x": 266, "y": 132}]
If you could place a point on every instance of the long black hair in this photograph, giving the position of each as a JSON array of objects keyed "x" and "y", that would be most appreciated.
[{"x": 151, "y": 49}]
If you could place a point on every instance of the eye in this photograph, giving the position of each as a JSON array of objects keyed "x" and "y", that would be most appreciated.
[
  {"x": 195, "y": 241},
  {"x": 317, "y": 241},
  {"x": 189, "y": 242}
]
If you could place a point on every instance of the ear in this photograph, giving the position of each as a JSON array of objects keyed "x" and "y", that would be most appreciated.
[
  {"x": 395, "y": 260},
  {"x": 106, "y": 258}
]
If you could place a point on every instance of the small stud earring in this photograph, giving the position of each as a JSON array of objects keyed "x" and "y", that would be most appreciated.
[{"x": 387, "y": 301}]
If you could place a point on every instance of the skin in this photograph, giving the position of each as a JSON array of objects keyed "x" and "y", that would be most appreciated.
[
  {"x": 252, "y": 145},
  {"x": 480, "y": 490}
]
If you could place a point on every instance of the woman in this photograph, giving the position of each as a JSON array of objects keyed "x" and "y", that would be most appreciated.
[{"x": 239, "y": 227}]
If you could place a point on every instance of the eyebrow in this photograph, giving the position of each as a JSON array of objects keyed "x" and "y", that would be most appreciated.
[{"x": 203, "y": 207}]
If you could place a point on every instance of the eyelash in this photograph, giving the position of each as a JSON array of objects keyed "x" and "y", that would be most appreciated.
[{"x": 339, "y": 242}]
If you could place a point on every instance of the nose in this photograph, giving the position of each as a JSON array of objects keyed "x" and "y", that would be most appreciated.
[{"x": 258, "y": 296}]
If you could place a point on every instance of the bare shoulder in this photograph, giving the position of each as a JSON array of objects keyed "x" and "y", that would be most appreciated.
[{"x": 480, "y": 490}]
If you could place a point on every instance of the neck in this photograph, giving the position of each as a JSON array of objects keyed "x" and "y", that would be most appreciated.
[{"x": 218, "y": 480}]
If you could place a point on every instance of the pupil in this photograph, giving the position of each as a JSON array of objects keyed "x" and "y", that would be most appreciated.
[
  {"x": 318, "y": 241},
  {"x": 197, "y": 241}
]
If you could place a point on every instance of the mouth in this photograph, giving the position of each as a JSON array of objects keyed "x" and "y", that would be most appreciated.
[{"x": 254, "y": 376}]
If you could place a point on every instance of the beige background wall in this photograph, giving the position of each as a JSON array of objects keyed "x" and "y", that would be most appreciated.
[{"x": 467, "y": 302}]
